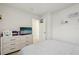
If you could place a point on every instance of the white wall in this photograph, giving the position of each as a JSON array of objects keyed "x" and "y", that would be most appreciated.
[
  {"x": 49, "y": 27},
  {"x": 1, "y": 25},
  {"x": 67, "y": 32},
  {"x": 14, "y": 18}
]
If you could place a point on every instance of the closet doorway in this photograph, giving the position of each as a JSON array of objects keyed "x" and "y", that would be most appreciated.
[{"x": 43, "y": 30}]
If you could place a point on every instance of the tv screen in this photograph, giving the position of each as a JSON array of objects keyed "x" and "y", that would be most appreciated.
[{"x": 25, "y": 30}]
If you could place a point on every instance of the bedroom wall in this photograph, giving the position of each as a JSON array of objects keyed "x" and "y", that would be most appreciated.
[
  {"x": 13, "y": 18},
  {"x": 49, "y": 26},
  {"x": 69, "y": 31},
  {"x": 1, "y": 22}
]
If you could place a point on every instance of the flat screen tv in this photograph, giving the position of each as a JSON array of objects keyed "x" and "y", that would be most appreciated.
[{"x": 25, "y": 30}]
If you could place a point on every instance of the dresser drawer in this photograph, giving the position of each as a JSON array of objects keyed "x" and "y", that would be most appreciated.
[
  {"x": 9, "y": 40},
  {"x": 26, "y": 39},
  {"x": 9, "y": 50},
  {"x": 22, "y": 45},
  {"x": 9, "y": 45},
  {"x": 5, "y": 51},
  {"x": 5, "y": 39},
  {"x": 28, "y": 42}
]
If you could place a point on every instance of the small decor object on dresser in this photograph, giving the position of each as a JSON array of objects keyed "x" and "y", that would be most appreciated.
[{"x": 64, "y": 21}]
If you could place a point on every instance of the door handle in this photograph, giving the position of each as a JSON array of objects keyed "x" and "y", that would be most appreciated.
[{"x": 44, "y": 32}]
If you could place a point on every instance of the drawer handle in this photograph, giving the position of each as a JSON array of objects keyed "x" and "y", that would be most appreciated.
[
  {"x": 12, "y": 39},
  {"x": 12, "y": 44},
  {"x": 27, "y": 41},
  {"x": 27, "y": 37},
  {"x": 12, "y": 48},
  {"x": 27, "y": 44}
]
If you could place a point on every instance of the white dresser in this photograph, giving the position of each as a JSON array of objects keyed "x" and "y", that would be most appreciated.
[{"x": 14, "y": 43}]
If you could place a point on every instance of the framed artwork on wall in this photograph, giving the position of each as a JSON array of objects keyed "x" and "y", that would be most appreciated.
[
  {"x": 25, "y": 30},
  {"x": 64, "y": 21}
]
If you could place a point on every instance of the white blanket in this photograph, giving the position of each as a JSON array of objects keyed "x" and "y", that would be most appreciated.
[{"x": 51, "y": 47}]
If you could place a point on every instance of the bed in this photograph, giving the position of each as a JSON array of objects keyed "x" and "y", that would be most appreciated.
[{"x": 51, "y": 47}]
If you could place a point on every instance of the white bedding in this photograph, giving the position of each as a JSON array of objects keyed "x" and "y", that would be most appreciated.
[{"x": 51, "y": 47}]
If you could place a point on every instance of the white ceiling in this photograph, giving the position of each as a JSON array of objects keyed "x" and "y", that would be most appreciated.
[{"x": 39, "y": 8}]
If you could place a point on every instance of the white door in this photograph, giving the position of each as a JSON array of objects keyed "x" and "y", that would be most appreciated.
[
  {"x": 35, "y": 29},
  {"x": 42, "y": 29}
]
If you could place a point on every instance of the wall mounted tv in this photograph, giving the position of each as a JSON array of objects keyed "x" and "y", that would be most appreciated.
[{"x": 25, "y": 30}]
